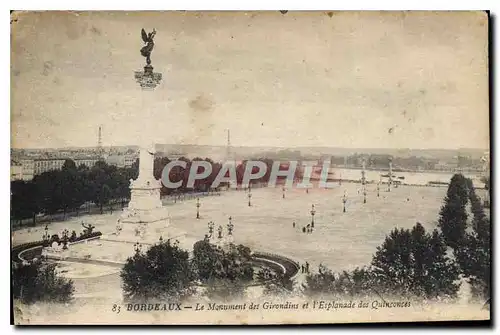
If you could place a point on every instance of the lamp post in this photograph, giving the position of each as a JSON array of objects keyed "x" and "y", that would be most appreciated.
[
  {"x": 220, "y": 232},
  {"x": 65, "y": 239},
  {"x": 363, "y": 173},
  {"x": 230, "y": 227},
  {"x": 210, "y": 228},
  {"x": 249, "y": 195},
  {"x": 313, "y": 212},
  {"x": 390, "y": 175},
  {"x": 344, "y": 200},
  {"x": 198, "y": 208},
  {"x": 46, "y": 235}
]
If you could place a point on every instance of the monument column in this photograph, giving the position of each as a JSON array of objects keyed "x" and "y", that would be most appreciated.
[{"x": 145, "y": 205}]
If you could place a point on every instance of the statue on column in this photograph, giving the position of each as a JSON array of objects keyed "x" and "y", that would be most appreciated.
[{"x": 148, "y": 49}]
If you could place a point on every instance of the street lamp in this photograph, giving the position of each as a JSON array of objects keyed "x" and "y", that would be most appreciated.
[
  {"x": 198, "y": 208},
  {"x": 46, "y": 235},
  {"x": 220, "y": 232},
  {"x": 390, "y": 175},
  {"x": 230, "y": 227},
  {"x": 344, "y": 200},
  {"x": 313, "y": 212},
  {"x": 65, "y": 239},
  {"x": 210, "y": 228}
]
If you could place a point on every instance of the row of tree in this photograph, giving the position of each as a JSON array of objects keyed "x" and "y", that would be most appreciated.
[{"x": 69, "y": 188}]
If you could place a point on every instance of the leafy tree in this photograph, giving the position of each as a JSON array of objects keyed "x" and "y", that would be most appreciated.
[
  {"x": 225, "y": 290},
  {"x": 225, "y": 272},
  {"x": 453, "y": 214},
  {"x": 326, "y": 283},
  {"x": 38, "y": 281},
  {"x": 25, "y": 201},
  {"x": 162, "y": 272},
  {"x": 414, "y": 263},
  {"x": 275, "y": 283},
  {"x": 474, "y": 255}
]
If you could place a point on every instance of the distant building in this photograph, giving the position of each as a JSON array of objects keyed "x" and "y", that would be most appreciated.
[
  {"x": 88, "y": 161},
  {"x": 16, "y": 170},
  {"x": 130, "y": 159},
  {"x": 28, "y": 169},
  {"x": 121, "y": 161},
  {"x": 42, "y": 165}
]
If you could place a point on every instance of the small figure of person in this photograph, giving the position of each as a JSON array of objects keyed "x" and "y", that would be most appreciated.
[
  {"x": 302, "y": 269},
  {"x": 303, "y": 229},
  {"x": 293, "y": 224},
  {"x": 307, "y": 267}
]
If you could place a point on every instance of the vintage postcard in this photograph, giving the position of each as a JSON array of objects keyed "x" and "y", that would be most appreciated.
[{"x": 249, "y": 168}]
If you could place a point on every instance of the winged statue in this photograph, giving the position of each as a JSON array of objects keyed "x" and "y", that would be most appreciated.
[{"x": 148, "y": 39}]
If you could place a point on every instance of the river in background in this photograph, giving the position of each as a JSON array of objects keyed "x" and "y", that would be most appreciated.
[{"x": 410, "y": 178}]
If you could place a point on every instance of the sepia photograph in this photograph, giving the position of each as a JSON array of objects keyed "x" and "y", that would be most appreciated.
[{"x": 249, "y": 167}]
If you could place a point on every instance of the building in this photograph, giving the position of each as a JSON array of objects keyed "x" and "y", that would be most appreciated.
[
  {"x": 121, "y": 161},
  {"x": 42, "y": 165},
  {"x": 28, "y": 169},
  {"x": 16, "y": 170},
  {"x": 87, "y": 161},
  {"x": 128, "y": 160}
]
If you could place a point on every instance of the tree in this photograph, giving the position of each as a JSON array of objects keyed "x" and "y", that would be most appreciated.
[
  {"x": 414, "y": 263},
  {"x": 25, "y": 201},
  {"x": 326, "y": 283},
  {"x": 162, "y": 272},
  {"x": 474, "y": 255},
  {"x": 276, "y": 284},
  {"x": 225, "y": 272},
  {"x": 38, "y": 281},
  {"x": 453, "y": 215}
]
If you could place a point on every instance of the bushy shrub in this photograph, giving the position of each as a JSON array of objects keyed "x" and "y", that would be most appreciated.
[
  {"x": 162, "y": 272},
  {"x": 38, "y": 281}
]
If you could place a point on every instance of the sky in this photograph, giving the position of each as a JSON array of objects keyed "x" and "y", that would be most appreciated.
[{"x": 341, "y": 79}]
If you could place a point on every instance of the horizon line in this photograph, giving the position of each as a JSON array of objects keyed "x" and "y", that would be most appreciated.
[{"x": 252, "y": 146}]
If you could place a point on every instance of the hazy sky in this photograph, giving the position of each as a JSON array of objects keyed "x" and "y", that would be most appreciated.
[{"x": 358, "y": 79}]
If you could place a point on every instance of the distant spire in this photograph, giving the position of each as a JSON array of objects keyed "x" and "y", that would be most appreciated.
[{"x": 99, "y": 144}]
